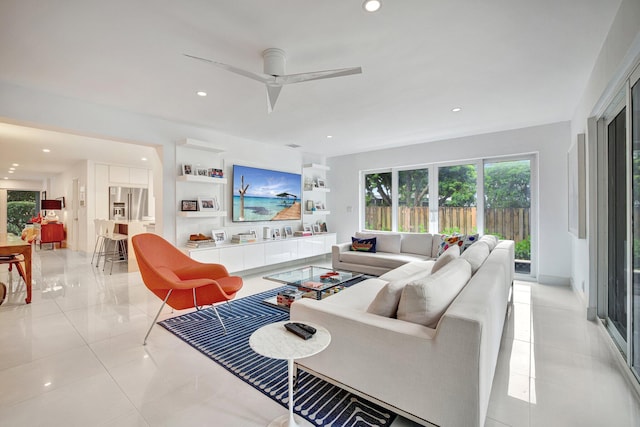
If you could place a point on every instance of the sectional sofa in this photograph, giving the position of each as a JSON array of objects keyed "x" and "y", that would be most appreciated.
[
  {"x": 421, "y": 342},
  {"x": 392, "y": 251}
]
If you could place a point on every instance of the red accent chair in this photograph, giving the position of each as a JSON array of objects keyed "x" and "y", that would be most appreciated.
[{"x": 180, "y": 281}]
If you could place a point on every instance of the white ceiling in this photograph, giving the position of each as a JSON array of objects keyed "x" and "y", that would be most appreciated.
[{"x": 506, "y": 63}]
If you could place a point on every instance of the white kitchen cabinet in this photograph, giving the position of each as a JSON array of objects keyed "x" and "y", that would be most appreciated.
[{"x": 139, "y": 176}]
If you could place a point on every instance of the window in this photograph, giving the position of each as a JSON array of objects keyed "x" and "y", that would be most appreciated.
[
  {"x": 378, "y": 201},
  {"x": 413, "y": 200},
  {"x": 457, "y": 199}
]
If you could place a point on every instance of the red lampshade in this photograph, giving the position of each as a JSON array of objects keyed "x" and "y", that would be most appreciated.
[{"x": 51, "y": 204}]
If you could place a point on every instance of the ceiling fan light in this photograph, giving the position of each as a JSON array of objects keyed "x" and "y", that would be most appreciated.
[{"x": 371, "y": 5}]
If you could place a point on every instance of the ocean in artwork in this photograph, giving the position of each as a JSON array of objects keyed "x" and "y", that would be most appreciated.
[{"x": 264, "y": 208}]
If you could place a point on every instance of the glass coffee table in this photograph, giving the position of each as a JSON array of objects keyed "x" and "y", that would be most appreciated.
[{"x": 315, "y": 282}]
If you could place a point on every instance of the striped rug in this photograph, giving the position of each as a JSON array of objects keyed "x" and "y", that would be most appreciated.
[{"x": 318, "y": 401}]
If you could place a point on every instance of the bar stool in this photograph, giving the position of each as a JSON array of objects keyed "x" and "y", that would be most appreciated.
[
  {"x": 99, "y": 247},
  {"x": 119, "y": 242}
]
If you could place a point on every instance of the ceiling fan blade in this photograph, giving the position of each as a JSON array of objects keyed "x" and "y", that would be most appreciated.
[
  {"x": 262, "y": 78},
  {"x": 272, "y": 96},
  {"x": 317, "y": 75}
]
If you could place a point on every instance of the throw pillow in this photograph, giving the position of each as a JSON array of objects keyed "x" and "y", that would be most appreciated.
[
  {"x": 490, "y": 240},
  {"x": 363, "y": 245},
  {"x": 449, "y": 255},
  {"x": 425, "y": 301},
  {"x": 462, "y": 240},
  {"x": 476, "y": 254},
  {"x": 387, "y": 299}
]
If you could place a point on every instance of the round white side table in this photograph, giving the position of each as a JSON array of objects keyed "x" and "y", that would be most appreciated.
[{"x": 276, "y": 342}]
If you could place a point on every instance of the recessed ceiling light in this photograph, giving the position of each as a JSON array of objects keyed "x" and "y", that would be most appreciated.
[
  {"x": 201, "y": 93},
  {"x": 10, "y": 171},
  {"x": 455, "y": 110},
  {"x": 371, "y": 5},
  {"x": 46, "y": 150},
  {"x": 329, "y": 136},
  {"x": 15, "y": 164},
  {"x": 144, "y": 159},
  {"x": 6, "y": 177}
]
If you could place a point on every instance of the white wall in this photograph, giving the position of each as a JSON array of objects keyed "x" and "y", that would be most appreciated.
[
  {"x": 550, "y": 142},
  {"x": 619, "y": 54}
]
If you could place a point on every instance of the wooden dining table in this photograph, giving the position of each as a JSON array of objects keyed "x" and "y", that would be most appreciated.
[{"x": 10, "y": 244}]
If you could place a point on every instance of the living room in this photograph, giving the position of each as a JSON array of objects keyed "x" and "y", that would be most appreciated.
[{"x": 558, "y": 258}]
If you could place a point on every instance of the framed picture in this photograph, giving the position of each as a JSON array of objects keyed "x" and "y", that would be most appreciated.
[
  {"x": 187, "y": 169},
  {"x": 202, "y": 171},
  {"x": 219, "y": 235},
  {"x": 208, "y": 204},
  {"x": 189, "y": 205},
  {"x": 288, "y": 231},
  {"x": 307, "y": 228},
  {"x": 320, "y": 183},
  {"x": 319, "y": 206},
  {"x": 316, "y": 228},
  {"x": 253, "y": 233},
  {"x": 323, "y": 227},
  {"x": 276, "y": 233}
]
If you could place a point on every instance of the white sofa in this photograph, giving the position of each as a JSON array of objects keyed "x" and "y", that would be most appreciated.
[
  {"x": 441, "y": 375},
  {"x": 393, "y": 250}
]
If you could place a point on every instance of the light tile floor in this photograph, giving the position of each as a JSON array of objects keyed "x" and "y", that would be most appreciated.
[{"x": 74, "y": 357}]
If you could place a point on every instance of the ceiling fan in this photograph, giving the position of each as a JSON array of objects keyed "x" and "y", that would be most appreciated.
[{"x": 274, "y": 76}]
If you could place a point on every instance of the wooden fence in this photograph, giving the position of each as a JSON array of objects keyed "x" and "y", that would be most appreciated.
[{"x": 508, "y": 223}]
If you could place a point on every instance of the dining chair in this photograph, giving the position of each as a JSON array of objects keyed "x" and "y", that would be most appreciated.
[{"x": 180, "y": 281}]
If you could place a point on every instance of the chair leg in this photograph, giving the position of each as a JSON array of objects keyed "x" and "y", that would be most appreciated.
[
  {"x": 229, "y": 306},
  {"x": 156, "y": 318},
  {"x": 219, "y": 318},
  {"x": 95, "y": 249}
]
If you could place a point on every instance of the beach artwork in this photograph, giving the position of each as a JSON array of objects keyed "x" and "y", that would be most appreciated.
[{"x": 265, "y": 195}]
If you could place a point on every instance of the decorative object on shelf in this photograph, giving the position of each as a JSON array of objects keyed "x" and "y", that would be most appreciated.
[
  {"x": 307, "y": 229},
  {"x": 288, "y": 231},
  {"x": 189, "y": 205},
  {"x": 276, "y": 233},
  {"x": 187, "y": 169},
  {"x": 308, "y": 184},
  {"x": 319, "y": 206},
  {"x": 320, "y": 183},
  {"x": 202, "y": 171},
  {"x": 216, "y": 173},
  {"x": 219, "y": 236},
  {"x": 253, "y": 233},
  {"x": 266, "y": 233},
  {"x": 316, "y": 228},
  {"x": 208, "y": 203},
  {"x": 323, "y": 227},
  {"x": 243, "y": 238},
  {"x": 310, "y": 205}
]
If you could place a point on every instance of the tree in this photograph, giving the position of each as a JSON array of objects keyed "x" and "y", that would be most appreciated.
[
  {"x": 378, "y": 189},
  {"x": 457, "y": 185},
  {"x": 507, "y": 185},
  {"x": 413, "y": 187}
]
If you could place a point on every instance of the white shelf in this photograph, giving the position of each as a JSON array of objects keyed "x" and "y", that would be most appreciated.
[
  {"x": 205, "y": 179},
  {"x": 200, "y": 145},
  {"x": 202, "y": 214},
  {"x": 317, "y": 212},
  {"x": 316, "y": 166},
  {"x": 318, "y": 190}
]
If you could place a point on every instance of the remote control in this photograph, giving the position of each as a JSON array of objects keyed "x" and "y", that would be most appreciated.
[
  {"x": 307, "y": 328},
  {"x": 295, "y": 329}
]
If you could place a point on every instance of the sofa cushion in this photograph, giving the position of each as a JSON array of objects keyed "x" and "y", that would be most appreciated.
[
  {"x": 409, "y": 269},
  {"x": 449, "y": 255},
  {"x": 386, "y": 301},
  {"x": 462, "y": 240},
  {"x": 379, "y": 259},
  {"x": 386, "y": 242},
  {"x": 416, "y": 243},
  {"x": 424, "y": 301},
  {"x": 357, "y": 297},
  {"x": 476, "y": 254},
  {"x": 490, "y": 240},
  {"x": 363, "y": 245}
]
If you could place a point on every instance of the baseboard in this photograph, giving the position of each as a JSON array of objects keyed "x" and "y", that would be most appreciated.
[
  {"x": 554, "y": 280},
  {"x": 592, "y": 313}
]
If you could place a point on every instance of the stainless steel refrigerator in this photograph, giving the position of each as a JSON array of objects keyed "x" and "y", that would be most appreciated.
[{"x": 128, "y": 204}]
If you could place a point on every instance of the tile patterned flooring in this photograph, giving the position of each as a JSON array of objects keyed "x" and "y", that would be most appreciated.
[{"x": 74, "y": 357}]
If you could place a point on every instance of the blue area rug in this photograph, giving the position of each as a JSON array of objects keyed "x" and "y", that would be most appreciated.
[{"x": 318, "y": 401}]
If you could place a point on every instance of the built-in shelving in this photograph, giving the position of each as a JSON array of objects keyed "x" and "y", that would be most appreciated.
[
  {"x": 201, "y": 179},
  {"x": 202, "y": 214}
]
